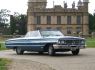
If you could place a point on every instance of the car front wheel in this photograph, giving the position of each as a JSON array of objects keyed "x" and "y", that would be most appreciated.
[
  {"x": 19, "y": 51},
  {"x": 51, "y": 51},
  {"x": 76, "y": 52}
]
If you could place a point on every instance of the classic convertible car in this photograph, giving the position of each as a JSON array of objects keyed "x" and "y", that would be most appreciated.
[{"x": 50, "y": 41}]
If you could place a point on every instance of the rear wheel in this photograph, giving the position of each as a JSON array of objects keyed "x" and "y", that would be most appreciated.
[
  {"x": 76, "y": 52},
  {"x": 19, "y": 51},
  {"x": 51, "y": 51}
]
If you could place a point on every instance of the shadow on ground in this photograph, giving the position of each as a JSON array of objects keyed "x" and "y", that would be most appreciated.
[{"x": 59, "y": 54}]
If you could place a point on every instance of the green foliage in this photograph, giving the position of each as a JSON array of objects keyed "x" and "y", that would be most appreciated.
[
  {"x": 22, "y": 24},
  {"x": 12, "y": 24},
  {"x": 4, "y": 15},
  {"x": 3, "y": 64},
  {"x": 90, "y": 42},
  {"x": 91, "y": 23},
  {"x": 18, "y": 24},
  {"x": 2, "y": 46}
]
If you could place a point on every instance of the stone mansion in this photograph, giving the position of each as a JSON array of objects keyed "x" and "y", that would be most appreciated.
[{"x": 68, "y": 20}]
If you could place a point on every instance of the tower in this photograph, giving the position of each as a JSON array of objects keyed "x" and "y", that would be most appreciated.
[
  {"x": 34, "y": 4},
  {"x": 85, "y": 16},
  {"x": 80, "y": 5},
  {"x": 85, "y": 4}
]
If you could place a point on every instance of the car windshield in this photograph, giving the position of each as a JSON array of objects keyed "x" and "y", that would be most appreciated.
[
  {"x": 33, "y": 34},
  {"x": 51, "y": 33}
]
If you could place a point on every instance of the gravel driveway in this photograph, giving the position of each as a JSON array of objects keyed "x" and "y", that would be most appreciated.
[
  {"x": 62, "y": 61},
  {"x": 27, "y": 65}
]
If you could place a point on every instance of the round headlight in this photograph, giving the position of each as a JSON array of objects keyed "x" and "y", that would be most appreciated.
[{"x": 82, "y": 42}]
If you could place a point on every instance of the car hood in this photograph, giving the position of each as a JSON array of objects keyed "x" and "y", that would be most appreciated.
[
  {"x": 66, "y": 37},
  {"x": 72, "y": 37}
]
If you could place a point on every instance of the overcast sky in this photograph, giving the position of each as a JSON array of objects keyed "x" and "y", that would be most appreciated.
[{"x": 21, "y": 5}]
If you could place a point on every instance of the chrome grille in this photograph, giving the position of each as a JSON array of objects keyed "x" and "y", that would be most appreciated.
[{"x": 71, "y": 42}]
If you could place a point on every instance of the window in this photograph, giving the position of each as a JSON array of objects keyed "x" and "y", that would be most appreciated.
[
  {"x": 78, "y": 30},
  {"x": 38, "y": 28},
  {"x": 58, "y": 19},
  {"x": 33, "y": 34},
  {"x": 69, "y": 30},
  {"x": 48, "y": 19},
  {"x": 58, "y": 28},
  {"x": 48, "y": 28},
  {"x": 37, "y": 19},
  {"x": 68, "y": 19},
  {"x": 51, "y": 33},
  {"x": 78, "y": 19}
]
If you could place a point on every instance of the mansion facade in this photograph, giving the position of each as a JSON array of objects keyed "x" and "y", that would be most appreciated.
[{"x": 68, "y": 20}]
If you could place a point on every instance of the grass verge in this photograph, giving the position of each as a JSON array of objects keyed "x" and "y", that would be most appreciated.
[
  {"x": 90, "y": 42},
  {"x": 2, "y": 46},
  {"x": 4, "y": 63}
]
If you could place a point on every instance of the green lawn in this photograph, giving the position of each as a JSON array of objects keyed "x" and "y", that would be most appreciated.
[
  {"x": 4, "y": 64},
  {"x": 90, "y": 42},
  {"x": 2, "y": 46}
]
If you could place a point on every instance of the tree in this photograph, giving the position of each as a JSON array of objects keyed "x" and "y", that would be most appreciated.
[
  {"x": 22, "y": 24},
  {"x": 4, "y": 14},
  {"x": 12, "y": 24},
  {"x": 18, "y": 24},
  {"x": 91, "y": 23}
]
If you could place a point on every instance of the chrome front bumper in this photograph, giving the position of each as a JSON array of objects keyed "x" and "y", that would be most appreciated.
[{"x": 56, "y": 46}]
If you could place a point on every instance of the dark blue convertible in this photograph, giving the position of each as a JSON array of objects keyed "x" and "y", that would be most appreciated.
[{"x": 46, "y": 41}]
